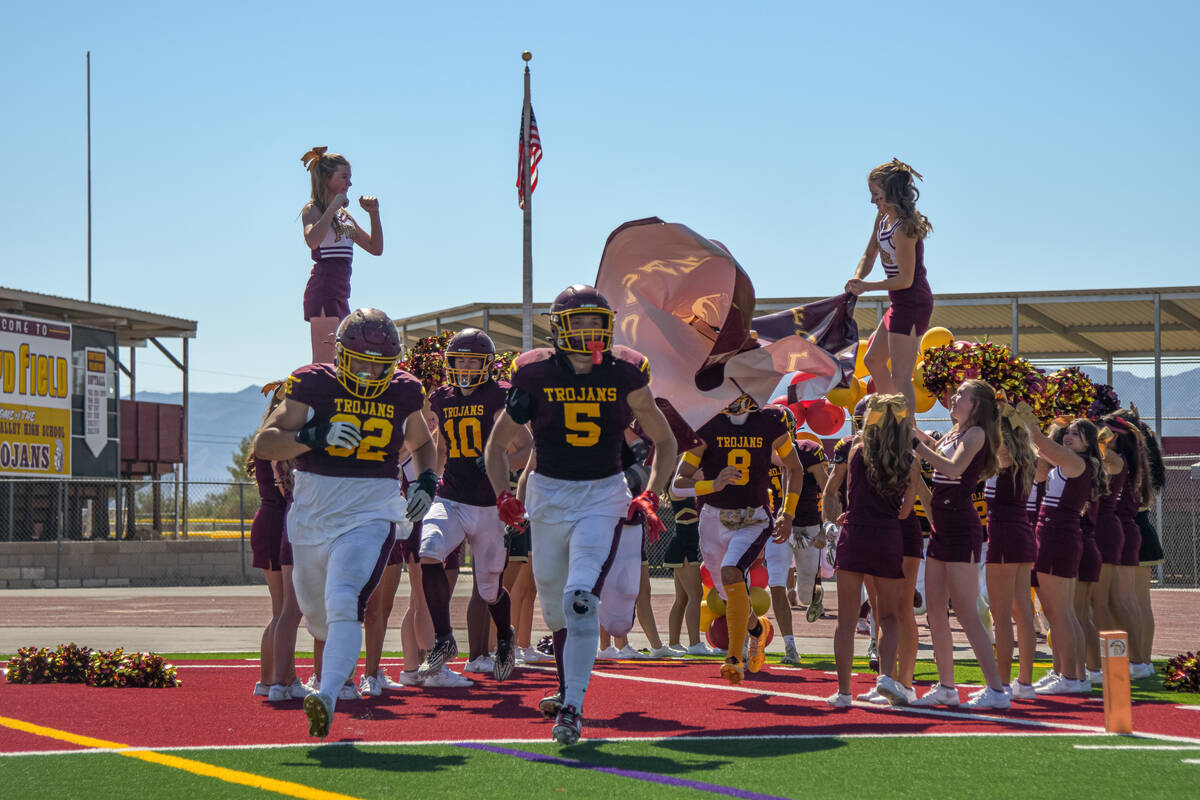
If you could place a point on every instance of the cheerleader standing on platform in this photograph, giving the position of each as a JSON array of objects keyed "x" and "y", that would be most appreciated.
[
  {"x": 331, "y": 233},
  {"x": 1010, "y": 555},
  {"x": 1076, "y": 479},
  {"x": 898, "y": 238},
  {"x": 964, "y": 456}
]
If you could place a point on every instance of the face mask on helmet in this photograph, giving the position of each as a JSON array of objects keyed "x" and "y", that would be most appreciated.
[
  {"x": 574, "y": 333},
  {"x": 366, "y": 338},
  {"x": 743, "y": 405},
  {"x": 470, "y": 356}
]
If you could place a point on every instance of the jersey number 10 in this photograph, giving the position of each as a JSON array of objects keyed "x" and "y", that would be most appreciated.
[{"x": 468, "y": 443}]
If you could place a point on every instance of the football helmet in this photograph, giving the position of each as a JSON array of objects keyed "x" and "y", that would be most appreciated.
[
  {"x": 368, "y": 336},
  {"x": 742, "y": 405},
  {"x": 789, "y": 419},
  {"x": 575, "y": 301},
  {"x": 470, "y": 343}
]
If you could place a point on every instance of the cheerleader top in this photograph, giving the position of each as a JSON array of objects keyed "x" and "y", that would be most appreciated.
[{"x": 338, "y": 243}]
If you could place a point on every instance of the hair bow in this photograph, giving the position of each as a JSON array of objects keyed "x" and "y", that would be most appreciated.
[
  {"x": 1103, "y": 438},
  {"x": 270, "y": 386},
  {"x": 312, "y": 157},
  {"x": 1062, "y": 420},
  {"x": 900, "y": 165},
  {"x": 876, "y": 409}
]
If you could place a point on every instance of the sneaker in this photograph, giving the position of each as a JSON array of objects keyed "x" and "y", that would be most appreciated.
[
  {"x": 446, "y": 678},
  {"x": 348, "y": 691},
  {"x": 1085, "y": 686},
  {"x": 679, "y": 650},
  {"x": 609, "y": 653},
  {"x": 319, "y": 710},
  {"x": 262, "y": 690},
  {"x": 989, "y": 698},
  {"x": 790, "y": 656},
  {"x": 1096, "y": 676},
  {"x": 627, "y": 652},
  {"x": 531, "y": 655},
  {"x": 873, "y": 656},
  {"x": 871, "y": 696},
  {"x": 506, "y": 656},
  {"x": 1143, "y": 670},
  {"x": 480, "y": 664},
  {"x": 313, "y": 684},
  {"x": 817, "y": 608},
  {"x": 277, "y": 693},
  {"x": 733, "y": 671},
  {"x": 1062, "y": 685},
  {"x": 444, "y": 649},
  {"x": 891, "y": 690},
  {"x": 386, "y": 681},
  {"x": 410, "y": 679},
  {"x": 839, "y": 700},
  {"x": 550, "y": 705},
  {"x": 757, "y": 655},
  {"x": 568, "y": 726},
  {"x": 910, "y": 694},
  {"x": 1023, "y": 691},
  {"x": 1047, "y": 679},
  {"x": 370, "y": 686},
  {"x": 664, "y": 652},
  {"x": 297, "y": 690},
  {"x": 700, "y": 649},
  {"x": 938, "y": 696}
]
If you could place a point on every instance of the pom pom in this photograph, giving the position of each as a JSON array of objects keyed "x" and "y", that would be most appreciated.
[
  {"x": 71, "y": 663},
  {"x": 1182, "y": 673}
]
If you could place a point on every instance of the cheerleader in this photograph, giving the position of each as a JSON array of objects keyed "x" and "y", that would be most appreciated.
[
  {"x": 1109, "y": 607},
  {"x": 963, "y": 457},
  {"x": 1010, "y": 554},
  {"x": 1075, "y": 479},
  {"x": 879, "y": 492},
  {"x": 331, "y": 233},
  {"x": 898, "y": 238}
]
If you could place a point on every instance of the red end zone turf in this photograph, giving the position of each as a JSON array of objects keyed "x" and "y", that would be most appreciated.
[{"x": 214, "y": 707}]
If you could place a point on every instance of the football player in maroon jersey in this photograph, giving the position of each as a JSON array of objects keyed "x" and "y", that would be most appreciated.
[
  {"x": 465, "y": 508},
  {"x": 736, "y": 448},
  {"x": 345, "y": 425},
  {"x": 578, "y": 398}
]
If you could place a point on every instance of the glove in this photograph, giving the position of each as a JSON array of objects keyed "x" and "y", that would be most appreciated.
[
  {"x": 420, "y": 496},
  {"x": 646, "y": 504},
  {"x": 512, "y": 510},
  {"x": 636, "y": 476},
  {"x": 319, "y": 434}
]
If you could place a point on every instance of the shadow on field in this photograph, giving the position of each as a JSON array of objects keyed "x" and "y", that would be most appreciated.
[
  {"x": 350, "y": 757},
  {"x": 712, "y": 753}
]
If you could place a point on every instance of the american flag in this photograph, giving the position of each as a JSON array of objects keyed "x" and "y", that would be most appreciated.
[{"x": 535, "y": 155}]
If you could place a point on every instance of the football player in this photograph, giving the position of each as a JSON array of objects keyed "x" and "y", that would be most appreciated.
[
  {"x": 736, "y": 447},
  {"x": 578, "y": 397},
  {"x": 466, "y": 410},
  {"x": 345, "y": 424}
]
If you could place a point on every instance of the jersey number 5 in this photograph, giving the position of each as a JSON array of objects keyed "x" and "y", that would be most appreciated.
[
  {"x": 578, "y": 418},
  {"x": 371, "y": 448}
]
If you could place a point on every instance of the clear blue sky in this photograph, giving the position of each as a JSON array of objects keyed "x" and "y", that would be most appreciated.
[{"x": 1058, "y": 146}]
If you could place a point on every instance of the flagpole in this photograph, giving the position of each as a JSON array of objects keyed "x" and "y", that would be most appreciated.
[
  {"x": 527, "y": 243},
  {"x": 89, "y": 174}
]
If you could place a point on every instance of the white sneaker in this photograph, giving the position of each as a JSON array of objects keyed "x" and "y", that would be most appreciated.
[
  {"x": 910, "y": 694},
  {"x": 664, "y": 652},
  {"x": 348, "y": 692},
  {"x": 1047, "y": 679},
  {"x": 839, "y": 700},
  {"x": 1096, "y": 676},
  {"x": 700, "y": 649},
  {"x": 938, "y": 696},
  {"x": 410, "y": 679},
  {"x": 989, "y": 698},
  {"x": 1061, "y": 686},
  {"x": 447, "y": 678},
  {"x": 628, "y": 652},
  {"x": 679, "y": 649},
  {"x": 277, "y": 693},
  {"x": 481, "y": 664},
  {"x": 313, "y": 684},
  {"x": 790, "y": 656},
  {"x": 609, "y": 653},
  {"x": 534, "y": 656},
  {"x": 386, "y": 681},
  {"x": 891, "y": 690},
  {"x": 1143, "y": 670},
  {"x": 370, "y": 686},
  {"x": 262, "y": 690},
  {"x": 871, "y": 696},
  {"x": 1023, "y": 691}
]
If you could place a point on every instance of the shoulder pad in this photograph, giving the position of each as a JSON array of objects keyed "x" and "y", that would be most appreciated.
[
  {"x": 622, "y": 353},
  {"x": 808, "y": 445},
  {"x": 533, "y": 356}
]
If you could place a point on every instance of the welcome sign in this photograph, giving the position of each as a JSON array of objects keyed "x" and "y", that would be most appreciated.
[{"x": 35, "y": 397}]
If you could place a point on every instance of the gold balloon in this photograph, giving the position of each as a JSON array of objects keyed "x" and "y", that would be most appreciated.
[
  {"x": 936, "y": 337},
  {"x": 714, "y": 603}
]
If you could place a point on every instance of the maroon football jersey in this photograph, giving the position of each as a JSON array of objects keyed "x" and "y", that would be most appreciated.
[
  {"x": 748, "y": 447},
  {"x": 465, "y": 423},
  {"x": 579, "y": 420},
  {"x": 808, "y": 510},
  {"x": 775, "y": 477},
  {"x": 381, "y": 420}
]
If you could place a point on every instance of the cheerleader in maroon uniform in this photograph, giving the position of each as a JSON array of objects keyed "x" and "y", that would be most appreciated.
[
  {"x": 1010, "y": 554},
  {"x": 963, "y": 457},
  {"x": 1075, "y": 480},
  {"x": 266, "y": 535},
  {"x": 331, "y": 233},
  {"x": 1128, "y": 446},
  {"x": 898, "y": 238},
  {"x": 879, "y": 492}
]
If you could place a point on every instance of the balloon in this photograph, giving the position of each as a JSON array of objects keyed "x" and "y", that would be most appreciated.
[
  {"x": 718, "y": 634},
  {"x": 812, "y": 437},
  {"x": 824, "y": 418},
  {"x": 758, "y": 576},
  {"x": 848, "y": 396},
  {"x": 706, "y": 617},
  {"x": 860, "y": 369},
  {"x": 715, "y": 602},
  {"x": 924, "y": 399},
  {"x": 936, "y": 337},
  {"x": 799, "y": 412},
  {"x": 919, "y": 373},
  {"x": 770, "y": 635},
  {"x": 780, "y": 401},
  {"x": 705, "y": 576},
  {"x": 760, "y": 600}
]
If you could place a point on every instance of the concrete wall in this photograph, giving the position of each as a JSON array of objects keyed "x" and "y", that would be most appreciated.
[{"x": 35, "y": 565}]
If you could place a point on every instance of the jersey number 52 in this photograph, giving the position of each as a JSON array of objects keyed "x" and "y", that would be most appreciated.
[{"x": 371, "y": 448}]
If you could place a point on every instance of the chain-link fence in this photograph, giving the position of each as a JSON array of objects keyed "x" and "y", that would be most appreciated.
[{"x": 1176, "y": 518}]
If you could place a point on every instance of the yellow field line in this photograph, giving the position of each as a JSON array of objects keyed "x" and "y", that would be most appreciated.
[{"x": 286, "y": 788}]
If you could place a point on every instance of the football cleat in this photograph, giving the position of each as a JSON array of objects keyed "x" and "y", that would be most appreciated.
[
  {"x": 816, "y": 608},
  {"x": 444, "y": 648},
  {"x": 550, "y": 705},
  {"x": 506, "y": 657},
  {"x": 733, "y": 670},
  {"x": 758, "y": 646},
  {"x": 568, "y": 726},
  {"x": 319, "y": 710}
]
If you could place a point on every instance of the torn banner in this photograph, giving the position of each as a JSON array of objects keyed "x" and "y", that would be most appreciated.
[{"x": 686, "y": 304}]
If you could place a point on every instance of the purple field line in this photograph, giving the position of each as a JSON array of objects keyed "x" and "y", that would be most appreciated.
[{"x": 651, "y": 777}]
